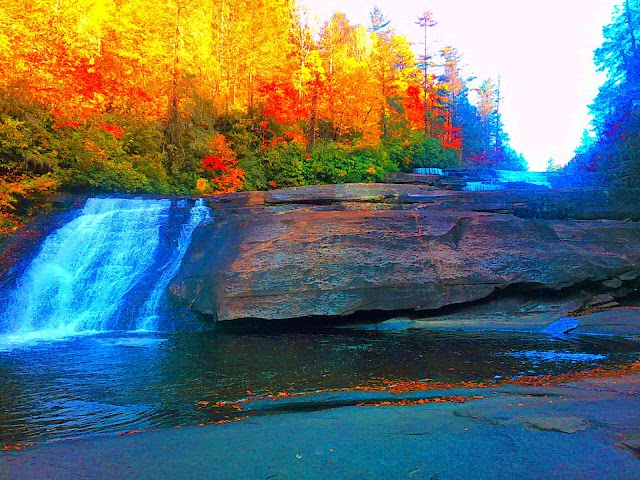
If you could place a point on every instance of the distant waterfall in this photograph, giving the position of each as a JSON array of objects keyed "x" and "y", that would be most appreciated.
[
  {"x": 148, "y": 321},
  {"x": 428, "y": 171},
  {"x": 534, "y": 178},
  {"x": 482, "y": 186}
]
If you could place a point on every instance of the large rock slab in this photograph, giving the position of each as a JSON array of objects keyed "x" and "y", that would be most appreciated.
[{"x": 290, "y": 258}]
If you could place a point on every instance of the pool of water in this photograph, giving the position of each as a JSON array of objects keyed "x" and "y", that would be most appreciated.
[{"x": 115, "y": 382}]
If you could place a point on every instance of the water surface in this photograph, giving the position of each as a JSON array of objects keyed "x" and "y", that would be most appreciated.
[{"x": 115, "y": 382}]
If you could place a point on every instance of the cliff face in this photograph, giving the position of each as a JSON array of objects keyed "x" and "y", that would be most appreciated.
[{"x": 336, "y": 250}]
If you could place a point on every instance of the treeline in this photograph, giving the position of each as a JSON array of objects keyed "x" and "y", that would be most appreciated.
[
  {"x": 185, "y": 96},
  {"x": 614, "y": 151}
]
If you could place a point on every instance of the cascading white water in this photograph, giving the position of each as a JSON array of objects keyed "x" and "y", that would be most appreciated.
[
  {"x": 481, "y": 187},
  {"x": 428, "y": 171},
  {"x": 79, "y": 279},
  {"x": 148, "y": 320},
  {"x": 534, "y": 178}
]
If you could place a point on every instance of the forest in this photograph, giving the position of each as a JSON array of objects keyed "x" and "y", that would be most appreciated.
[
  {"x": 613, "y": 149},
  {"x": 186, "y": 97}
]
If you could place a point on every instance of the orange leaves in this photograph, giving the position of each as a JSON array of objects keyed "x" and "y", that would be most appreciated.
[
  {"x": 598, "y": 372},
  {"x": 130, "y": 432},
  {"x": 421, "y": 401},
  {"x": 16, "y": 447},
  {"x": 220, "y": 171},
  {"x": 279, "y": 102}
]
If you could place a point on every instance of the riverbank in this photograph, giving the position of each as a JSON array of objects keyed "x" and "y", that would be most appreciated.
[
  {"x": 575, "y": 430},
  {"x": 342, "y": 420},
  {"x": 572, "y": 426}
]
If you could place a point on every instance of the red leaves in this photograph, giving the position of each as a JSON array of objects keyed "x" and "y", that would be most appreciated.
[
  {"x": 220, "y": 169},
  {"x": 451, "y": 137},
  {"x": 213, "y": 163},
  {"x": 115, "y": 130}
]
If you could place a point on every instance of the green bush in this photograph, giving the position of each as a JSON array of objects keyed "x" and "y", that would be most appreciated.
[
  {"x": 92, "y": 157},
  {"x": 419, "y": 151},
  {"x": 336, "y": 163},
  {"x": 283, "y": 165}
]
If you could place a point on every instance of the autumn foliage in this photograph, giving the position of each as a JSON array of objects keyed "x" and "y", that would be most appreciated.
[
  {"x": 221, "y": 168},
  {"x": 207, "y": 98}
]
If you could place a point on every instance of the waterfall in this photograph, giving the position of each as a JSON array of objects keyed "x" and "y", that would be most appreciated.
[
  {"x": 534, "y": 178},
  {"x": 481, "y": 187},
  {"x": 428, "y": 171},
  {"x": 80, "y": 280},
  {"x": 148, "y": 320}
]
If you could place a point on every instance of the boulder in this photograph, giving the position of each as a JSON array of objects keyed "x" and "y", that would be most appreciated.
[{"x": 336, "y": 250}]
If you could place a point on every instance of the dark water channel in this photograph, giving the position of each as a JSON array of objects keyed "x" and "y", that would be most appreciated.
[{"x": 117, "y": 382}]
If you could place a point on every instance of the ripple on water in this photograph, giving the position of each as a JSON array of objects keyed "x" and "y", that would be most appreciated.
[
  {"x": 116, "y": 382},
  {"x": 553, "y": 356}
]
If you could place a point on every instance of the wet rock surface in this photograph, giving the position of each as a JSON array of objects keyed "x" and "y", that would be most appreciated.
[
  {"x": 328, "y": 251},
  {"x": 577, "y": 430}
]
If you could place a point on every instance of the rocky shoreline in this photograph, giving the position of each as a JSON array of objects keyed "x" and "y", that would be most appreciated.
[
  {"x": 574, "y": 426},
  {"x": 587, "y": 428}
]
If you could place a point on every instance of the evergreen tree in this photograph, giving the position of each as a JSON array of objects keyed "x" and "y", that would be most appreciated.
[{"x": 616, "y": 108}]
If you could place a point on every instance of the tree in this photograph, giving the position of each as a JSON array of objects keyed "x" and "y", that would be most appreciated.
[
  {"x": 393, "y": 66},
  {"x": 616, "y": 108},
  {"x": 426, "y": 21},
  {"x": 456, "y": 88}
]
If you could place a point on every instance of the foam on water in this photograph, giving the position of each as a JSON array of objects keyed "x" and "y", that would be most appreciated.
[
  {"x": 79, "y": 282},
  {"x": 148, "y": 320},
  {"x": 482, "y": 187},
  {"x": 533, "y": 178},
  {"x": 552, "y": 356}
]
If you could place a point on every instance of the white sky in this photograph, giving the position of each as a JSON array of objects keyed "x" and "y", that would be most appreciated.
[{"x": 542, "y": 50}]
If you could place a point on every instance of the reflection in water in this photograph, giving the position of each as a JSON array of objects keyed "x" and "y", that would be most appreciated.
[{"x": 119, "y": 382}]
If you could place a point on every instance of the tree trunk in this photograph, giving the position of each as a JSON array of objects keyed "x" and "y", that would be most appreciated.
[{"x": 311, "y": 135}]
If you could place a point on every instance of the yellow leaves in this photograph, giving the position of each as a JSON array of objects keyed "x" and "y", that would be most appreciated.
[
  {"x": 202, "y": 185},
  {"x": 352, "y": 64},
  {"x": 314, "y": 62},
  {"x": 11, "y": 135},
  {"x": 363, "y": 43}
]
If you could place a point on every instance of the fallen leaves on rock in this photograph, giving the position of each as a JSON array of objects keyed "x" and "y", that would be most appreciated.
[
  {"x": 6, "y": 447},
  {"x": 130, "y": 432}
]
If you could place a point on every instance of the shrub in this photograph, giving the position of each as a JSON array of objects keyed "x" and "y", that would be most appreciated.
[{"x": 419, "y": 151}]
